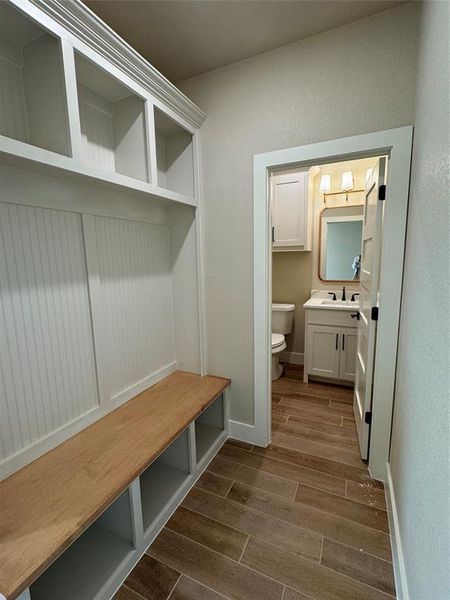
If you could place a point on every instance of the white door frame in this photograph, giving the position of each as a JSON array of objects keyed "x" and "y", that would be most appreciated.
[{"x": 397, "y": 144}]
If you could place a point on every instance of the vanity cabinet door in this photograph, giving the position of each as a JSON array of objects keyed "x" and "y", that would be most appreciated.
[
  {"x": 290, "y": 211},
  {"x": 323, "y": 351},
  {"x": 347, "y": 362}
]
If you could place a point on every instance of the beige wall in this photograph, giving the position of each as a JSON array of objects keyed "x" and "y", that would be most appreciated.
[
  {"x": 295, "y": 274},
  {"x": 352, "y": 79},
  {"x": 291, "y": 282},
  {"x": 420, "y": 450}
]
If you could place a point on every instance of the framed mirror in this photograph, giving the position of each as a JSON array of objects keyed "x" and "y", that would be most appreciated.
[{"x": 340, "y": 240}]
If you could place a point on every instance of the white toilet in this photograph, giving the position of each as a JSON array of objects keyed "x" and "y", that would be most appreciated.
[{"x": 282, "y": 317}]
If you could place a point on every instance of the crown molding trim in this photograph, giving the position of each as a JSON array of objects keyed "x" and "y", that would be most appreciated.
[{"x": 85, "y": 25}]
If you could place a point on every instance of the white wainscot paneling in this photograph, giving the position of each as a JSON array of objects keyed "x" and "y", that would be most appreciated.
[
  {"x": 47, "y": 370},
  {"x": 131, "y": 290}
]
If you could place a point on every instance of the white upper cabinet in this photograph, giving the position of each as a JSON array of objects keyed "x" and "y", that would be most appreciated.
[{"x": 291, "y": 213}]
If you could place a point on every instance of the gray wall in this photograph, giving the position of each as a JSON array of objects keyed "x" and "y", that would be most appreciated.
[
  {"x": 420, "y": 438},
  {"x": 354, "y": 79}
]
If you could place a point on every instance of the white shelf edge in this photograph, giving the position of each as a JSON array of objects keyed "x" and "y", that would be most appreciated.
[{"x": 21, "y": 154}]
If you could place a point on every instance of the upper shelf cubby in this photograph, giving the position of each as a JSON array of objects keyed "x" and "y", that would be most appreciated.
[
  {"x": 174, "y": 155},
  {"x": 32, "y": 92},
  {"x": 112, "y": 121}
]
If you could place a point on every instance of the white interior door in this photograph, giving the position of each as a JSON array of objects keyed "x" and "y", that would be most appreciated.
[{"x": 367, "y": 324}]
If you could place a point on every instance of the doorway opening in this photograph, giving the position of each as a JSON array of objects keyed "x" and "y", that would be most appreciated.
[{"x": 382, "y": 222}]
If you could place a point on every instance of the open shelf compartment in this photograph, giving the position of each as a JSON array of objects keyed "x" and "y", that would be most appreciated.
[
  {"x": 174, "y": 155},
  {"x": 85, "y": 569},
  {"x": 164, "y": 479},
  {"x": 33, "y": 106},
  {"x": 112, "y": 122},
  {"x": 209, "y": 426}
]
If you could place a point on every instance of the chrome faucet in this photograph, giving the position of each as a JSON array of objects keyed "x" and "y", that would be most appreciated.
[{"x": 343, "y": 294}]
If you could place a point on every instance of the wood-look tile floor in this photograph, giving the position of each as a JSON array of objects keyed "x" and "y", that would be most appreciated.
[{"x": 299, "y": 520}]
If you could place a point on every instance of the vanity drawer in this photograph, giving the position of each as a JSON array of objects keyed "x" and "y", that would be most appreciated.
[{"x": 340, "y": 318}]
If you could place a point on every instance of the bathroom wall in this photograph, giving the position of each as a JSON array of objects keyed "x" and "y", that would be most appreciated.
[
  {"x": 295, "y": 274},
  {"x": 335, "y": 84},
  {"x": 291, "y": 282},
  {"x": 420, "y": 458}
]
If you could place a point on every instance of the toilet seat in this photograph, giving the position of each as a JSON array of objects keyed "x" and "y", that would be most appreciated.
[{"x": 277, "y": 341}]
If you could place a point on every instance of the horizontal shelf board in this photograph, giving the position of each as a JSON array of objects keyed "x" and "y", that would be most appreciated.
[
  {"x": 159, "y": 483},
  {"x": 205, "y": 437},
  {"x": 19, "y": 154},
  {"x": 65, "y": 490},
  {"x": 84, "y": 568}
]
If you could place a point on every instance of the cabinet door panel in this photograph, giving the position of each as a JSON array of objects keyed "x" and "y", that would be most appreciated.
[
  {"x": 289, "y": 204},
  {"x": 348, "y": 346},
  {"x": 323, "y": 351}
]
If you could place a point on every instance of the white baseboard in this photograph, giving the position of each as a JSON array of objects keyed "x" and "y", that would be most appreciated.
[
  {"x": 295, "y": 358},
  {"x": 244, "y": 433},
  {"x": 396, "y": 543}
]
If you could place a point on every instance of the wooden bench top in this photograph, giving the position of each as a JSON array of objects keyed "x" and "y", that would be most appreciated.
[{"x": 46, "y": 505}]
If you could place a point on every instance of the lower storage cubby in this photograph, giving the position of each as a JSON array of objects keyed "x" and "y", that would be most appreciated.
[
  {"x": 85, "y": 570},
  {"x": 209, "y": 427},
  {"x": 164, "y": 480}
]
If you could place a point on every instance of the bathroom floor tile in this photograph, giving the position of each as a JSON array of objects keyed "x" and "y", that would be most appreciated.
[
  {"x": 215, "y": 484},
  {"x": 256, "y": 524},
  {"x": 151, "y": 579},
  {"x": 221, "y": 574},
  {"x": 254, "y": 477},
  {"x": 208, "y": 532}
]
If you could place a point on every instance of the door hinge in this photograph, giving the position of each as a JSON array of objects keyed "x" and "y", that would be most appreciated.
[
  {"x": 273, "y": 234},
  {"x": 374, "y": 313},
  {"x": 368, "y": 417},
  {"x": 382, "y": 192}
]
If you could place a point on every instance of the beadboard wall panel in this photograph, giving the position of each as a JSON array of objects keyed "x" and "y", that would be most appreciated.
[
  {"x": 13, "y": 120},
  {"x": 96, "y": 122},
  {"x": 47, "y": 367},
  {"x": 131, "y": 291}
]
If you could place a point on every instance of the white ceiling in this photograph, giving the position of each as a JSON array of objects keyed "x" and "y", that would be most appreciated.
[{"x": 183, "y": 38}]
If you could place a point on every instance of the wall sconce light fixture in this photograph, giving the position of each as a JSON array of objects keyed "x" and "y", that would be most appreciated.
[
  {"x": 325, "y": 185},
  {"x": 346, "y": 183}
]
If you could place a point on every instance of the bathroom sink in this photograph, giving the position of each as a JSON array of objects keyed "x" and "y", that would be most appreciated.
[{"x": 329, "y": 304}]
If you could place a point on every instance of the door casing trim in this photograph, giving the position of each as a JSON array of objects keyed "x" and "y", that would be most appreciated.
[{"x": 397, "y": 144}]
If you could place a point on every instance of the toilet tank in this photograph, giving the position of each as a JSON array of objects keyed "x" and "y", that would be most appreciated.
[{"x": 282, "y": 317}]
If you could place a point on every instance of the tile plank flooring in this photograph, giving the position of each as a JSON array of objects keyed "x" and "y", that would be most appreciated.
[{"x": 299, "y": 520}]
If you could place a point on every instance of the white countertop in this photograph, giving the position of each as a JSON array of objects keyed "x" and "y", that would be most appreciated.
[{"x": 329, "y": 304}]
